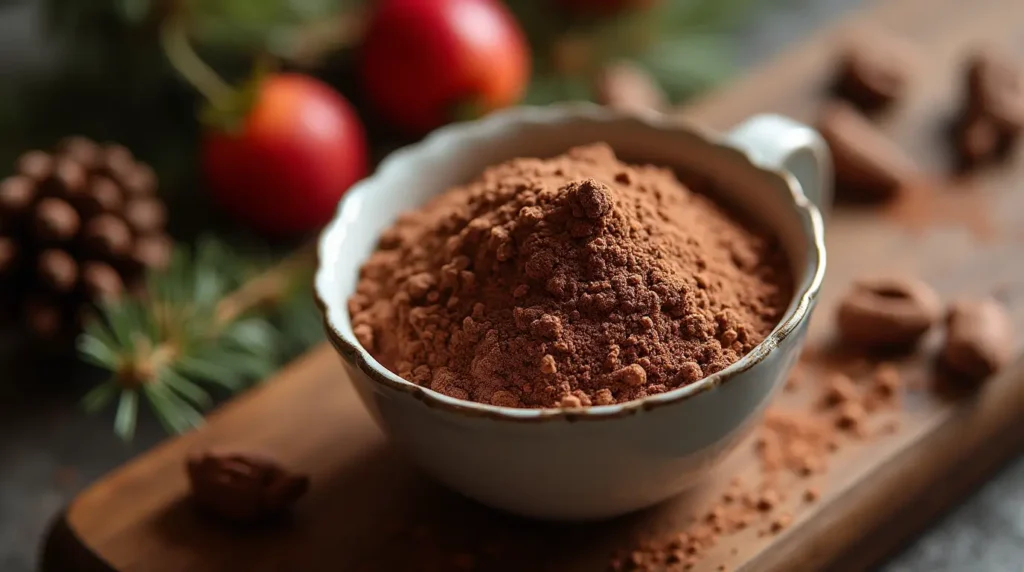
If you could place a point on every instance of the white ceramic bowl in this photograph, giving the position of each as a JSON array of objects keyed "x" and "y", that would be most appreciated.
[{"x": 604, "y": 460}]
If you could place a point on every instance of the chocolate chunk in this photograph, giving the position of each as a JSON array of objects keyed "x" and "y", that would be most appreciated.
[
  {"x": 868, "y": 165},
  {"x": 628, "y": 87},
  {"x": 101, "y": 281},
  {"x": 56, "y": 220},
  {"x": 243, "y": 487},
  {"x": 980, "y": 338},
  {"x": 887, "y": 312},
  {"x": 36, "y": 165},
  {"x": 992, "y": 117},
  {"x": 873, "y": 72},
  {"x": 978, "y": 141},
  {"x": 57, "y": 270},
  {"x": 107, "y": 237},
  {"x": 995, "y": 88}
]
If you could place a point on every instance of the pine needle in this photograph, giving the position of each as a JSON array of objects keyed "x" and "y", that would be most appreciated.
[
  {"x": 99, "y": 397},
  {"x": 202, "y": 326},
  {"x": 127, "y": 414}
]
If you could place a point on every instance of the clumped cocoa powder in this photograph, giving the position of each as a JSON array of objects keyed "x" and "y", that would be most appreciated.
[{"x": 572, "y": 281}]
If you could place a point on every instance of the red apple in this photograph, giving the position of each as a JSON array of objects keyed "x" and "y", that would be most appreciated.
[
  {"x": 299, "y": 147},
  {"x": 427, "y": 62}
]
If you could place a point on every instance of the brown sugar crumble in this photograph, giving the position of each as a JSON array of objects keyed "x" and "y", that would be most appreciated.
[{"x": 567, "y": 282}]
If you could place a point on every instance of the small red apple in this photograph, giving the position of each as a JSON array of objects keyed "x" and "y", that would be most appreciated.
[
  {"x": 426, "y": 62},
  {"x": 299, "y": 147}
]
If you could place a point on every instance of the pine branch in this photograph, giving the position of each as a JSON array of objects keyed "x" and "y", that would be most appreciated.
[{"x": 202, "y": 326}]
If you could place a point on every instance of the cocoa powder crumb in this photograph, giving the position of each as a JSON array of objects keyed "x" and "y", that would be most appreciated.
[
  {"x": 780, "y": 522},
  {"x": 567, "y": 282},
  {"x": 811, "y": 495},
  {"x": 851, "y": 416},
  {"x": 570, "y": 401},
  {"x": 886, "y": 380},
  {"x": 794, "y": 442},
  {"x": 793, "y": 381},
  {"x": 547, "y": 364},
  {"x": 840, "y": 390},
  {"x": 768, "y": 500},
  {"x": 889, "y": 427}
]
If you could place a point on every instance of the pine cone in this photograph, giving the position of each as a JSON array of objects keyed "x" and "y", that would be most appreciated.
[{"x": 77, "y": 226}]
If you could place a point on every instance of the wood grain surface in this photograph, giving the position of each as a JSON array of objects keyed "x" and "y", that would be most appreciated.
[{"x": 370, "y": 510}]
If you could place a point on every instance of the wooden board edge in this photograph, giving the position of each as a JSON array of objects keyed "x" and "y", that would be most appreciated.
[
  {"x": 62, "y": 550},
  {"x": 930, "y": 504}
]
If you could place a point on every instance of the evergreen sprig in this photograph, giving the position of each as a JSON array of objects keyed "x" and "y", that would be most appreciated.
[{"x": 197, "y": 329}]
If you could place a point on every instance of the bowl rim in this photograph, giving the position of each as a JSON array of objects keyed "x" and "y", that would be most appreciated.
[{"x": 352, "y": 351}]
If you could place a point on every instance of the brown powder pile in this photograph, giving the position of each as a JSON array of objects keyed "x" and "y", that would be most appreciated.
[{"x": 572, "y": 281}]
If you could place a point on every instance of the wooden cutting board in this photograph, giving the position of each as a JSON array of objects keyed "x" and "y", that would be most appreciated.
[{"x": 370, "y": 510}]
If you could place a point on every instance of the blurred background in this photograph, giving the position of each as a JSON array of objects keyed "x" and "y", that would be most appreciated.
[{"x": 166, "y": 79}]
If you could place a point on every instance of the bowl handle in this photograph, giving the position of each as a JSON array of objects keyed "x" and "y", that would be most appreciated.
[{"x": 777, "y": 142}]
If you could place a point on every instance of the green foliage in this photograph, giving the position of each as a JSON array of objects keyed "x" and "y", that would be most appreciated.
[
  {"x": 689, "y": 64},
  {"x": 180, "y": 342},
  {"x": 682, "y": 43},
  {"x": 247, "y": 24}
]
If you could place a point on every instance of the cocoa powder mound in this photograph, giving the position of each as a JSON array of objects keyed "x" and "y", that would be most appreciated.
[{"x": 567, "y": 282}]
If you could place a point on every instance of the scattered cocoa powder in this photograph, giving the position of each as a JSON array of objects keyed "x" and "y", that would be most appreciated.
[
  {"x": 925, "y": 204},
  {"x": 851, "y": 416},
  {"x": 794, "y": 442},
  {"x": 781, "y": 522},
  {"x": 567, "y": 282},
  {"x": 812, "y": 495},
  {"x": 792, "y": 447},
  {"x": 793, "y": 380},
  {"x": 885, "y": 385},
  {"x": 839, "y": 390}
]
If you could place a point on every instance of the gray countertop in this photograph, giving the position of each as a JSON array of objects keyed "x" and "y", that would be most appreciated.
[{"x": 49, "y": 450}]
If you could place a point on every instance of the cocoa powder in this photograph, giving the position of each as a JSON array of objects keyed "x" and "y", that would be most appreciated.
[
  {"x": 793, "y": 448},
  {"x": 567, "y": 282}
]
